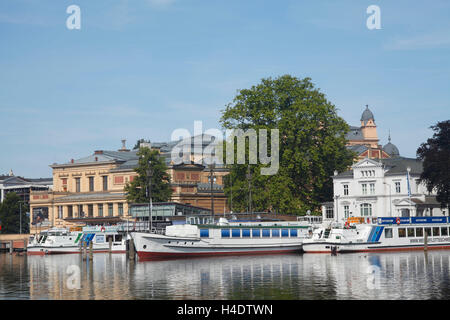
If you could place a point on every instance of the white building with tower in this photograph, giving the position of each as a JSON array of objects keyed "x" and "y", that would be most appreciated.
[{"x": 381, "y": 188}]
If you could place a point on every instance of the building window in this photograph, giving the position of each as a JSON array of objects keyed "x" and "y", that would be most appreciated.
[
  {"x": 105, "y": 183},
  {"x": 91, "y": 183},
  {"x": 388, "y": 233},
  {"x": 90, "y": 210},
  {"x": 110, "y": 209},
  {"x": 346, "y": 211},
  {"x": 372, "y": 188},
  {"x": 60, "y": 212},
  {"x": 364, "y": 188},
  {"x": 329, "y": 212},
  {"x": 345, "y": 189},
  {"x": 419, "y": 232},
  {"x": 366, "y": 210},
  {"x": 397, "y": 187},
  {"x": 69, "y": 211},
  {"x": 77, "y": 185},
  {"x": 120, "y": 209},
  {"x": 100, "y": 210},
  {"x": 80, "y": 211}
]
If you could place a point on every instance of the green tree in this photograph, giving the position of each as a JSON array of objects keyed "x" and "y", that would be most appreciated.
[
  {"x": 435, "y": 154},
  {"x": 10, "y": 214},
  {"x": 161, "y": 190},
  {"x": 312, "y": 145}
]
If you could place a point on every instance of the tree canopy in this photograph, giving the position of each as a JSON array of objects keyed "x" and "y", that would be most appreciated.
[
  {"x": 10, "y": 217},
  {"x": 311, "y": 147},
  {"x": 160, "y": 180},
  {"x": 435, "y": 153}
]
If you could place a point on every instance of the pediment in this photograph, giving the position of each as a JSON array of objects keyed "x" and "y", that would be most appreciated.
[{"x": 366, "y": 163}]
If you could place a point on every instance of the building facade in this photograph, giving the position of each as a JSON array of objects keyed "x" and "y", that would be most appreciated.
[
  {"x": 91, "y": 189},
  {"x": 22, "y": 186},
  {"x": 381, "y": 188},
  {"x": 364, "y": 141}
]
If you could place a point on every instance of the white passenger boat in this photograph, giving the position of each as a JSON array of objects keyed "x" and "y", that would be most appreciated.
[
  {"x": 383, "y": 234},
  {"x": 61, "y": 241},
  {"x": 223, "y": 238}
]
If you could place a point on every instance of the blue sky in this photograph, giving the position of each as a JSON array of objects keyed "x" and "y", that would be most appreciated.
[{"x": 143, "y": 68}]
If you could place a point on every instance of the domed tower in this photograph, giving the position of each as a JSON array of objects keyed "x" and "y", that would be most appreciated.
[
  {"x": 391, "y": 149},
  {"x": 369, "y": 128}
]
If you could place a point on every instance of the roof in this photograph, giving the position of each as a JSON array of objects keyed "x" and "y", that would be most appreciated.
[
  {"x": 354, "y": 133},
  {"x": 391, "y": 149},
  {"x": 359, "y": 148},
  {"x": 367, "y": 115},
  {"x": 393, "y": 166},
  {"x": 91, "y": 196},
  {"x": 399, "y": 165}
]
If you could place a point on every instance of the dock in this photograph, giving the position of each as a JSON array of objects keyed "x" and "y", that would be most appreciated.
[{"x": 13, "y": 242}]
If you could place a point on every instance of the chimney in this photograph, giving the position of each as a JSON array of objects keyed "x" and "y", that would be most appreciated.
[{"x": 124, "y": 147}]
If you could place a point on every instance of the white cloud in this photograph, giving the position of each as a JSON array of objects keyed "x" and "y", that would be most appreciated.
[{"x": 424, "y": 41}]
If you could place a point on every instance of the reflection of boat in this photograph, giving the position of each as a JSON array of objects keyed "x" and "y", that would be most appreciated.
[
  {"x": 60, "y": 240},
  {"x": 385, "y": 234},
  {"x": 224, "y": 238}
]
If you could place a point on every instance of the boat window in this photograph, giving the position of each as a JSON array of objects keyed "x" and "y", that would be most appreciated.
[
  {"x": 236, "y": 233},
  {"x": 204, "y": 233},
  {"x": 419, "y": 232},
  {"x": 388, "y": 233},
  {"x": 275, "y": 233},
  {"x": 118, "y": 237},
  {"x": 285, "y": 233},
  {"x": 266, "y": 233},
  {"x": 225, "y": 233},
  {"x": 401, "y": 232},
  {"x": 293, "y": 232},
  {"x": 428, "y": 231},
  {"x": 444, "y": 231},
  {"x": 246, "y": 233},
  {"x": 256, "y": 233},
  {"x": 411, "y": 232},
  {"x": 436, "y": 232}
]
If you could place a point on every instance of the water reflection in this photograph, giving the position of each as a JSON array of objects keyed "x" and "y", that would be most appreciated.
[{"x": 409, "y": 275}]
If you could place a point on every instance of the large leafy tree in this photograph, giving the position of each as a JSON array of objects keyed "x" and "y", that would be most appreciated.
[
  {"x": 10, "y": 214},
  {"x": 435, "y": 154},
  {"x": 311, "y": 148},
  {"x": 160, "y": 179}
]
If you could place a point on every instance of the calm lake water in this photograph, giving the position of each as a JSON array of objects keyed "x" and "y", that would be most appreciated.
[{"x": 409, "y": 275}]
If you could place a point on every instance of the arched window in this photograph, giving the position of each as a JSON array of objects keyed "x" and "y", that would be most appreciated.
[{"x": 366, "y": 210}]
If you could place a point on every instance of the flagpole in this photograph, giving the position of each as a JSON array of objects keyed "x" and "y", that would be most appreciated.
[{"x": 408, "y": 169}]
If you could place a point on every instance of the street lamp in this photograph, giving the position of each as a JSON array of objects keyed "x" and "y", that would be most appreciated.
[
  {"x": 249, "y": 177},
  {"x": 390, "y": 198},
  {"x": 149, "y": 192},
  {"x": 211, "y": 169}
]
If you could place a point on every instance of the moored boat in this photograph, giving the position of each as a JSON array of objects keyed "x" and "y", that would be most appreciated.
[
  {"x": 64, "y": 241},
  {"x": 383, "y": 234},
  {"x": 223, "y": 238}
]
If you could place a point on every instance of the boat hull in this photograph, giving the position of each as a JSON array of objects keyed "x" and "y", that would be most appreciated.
[
  {"x": 152, "y": 246},
  {"x": 45, "y": 250},
  {"x": 349, "y": 248}
]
